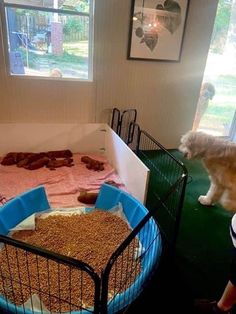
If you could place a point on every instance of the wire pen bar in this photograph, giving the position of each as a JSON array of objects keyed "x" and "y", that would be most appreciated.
[
  {"x": 168, "y": 175},
  {"x": 122, "y": 122},
  {"x": 167, "y": 183},
  {"x": 35, "y": 279}
]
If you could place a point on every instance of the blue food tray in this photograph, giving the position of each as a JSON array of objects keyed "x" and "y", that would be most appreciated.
[{"x": 35, "y": 200}]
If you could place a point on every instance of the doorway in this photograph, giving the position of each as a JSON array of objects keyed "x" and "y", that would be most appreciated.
[{"x": 217, "y": 112}]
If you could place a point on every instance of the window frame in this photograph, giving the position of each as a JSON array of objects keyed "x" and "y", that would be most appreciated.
[{"x": 4, "y": 31}]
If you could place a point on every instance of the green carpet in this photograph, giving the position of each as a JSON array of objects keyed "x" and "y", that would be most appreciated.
[
  {"x": 204, "y": 244},
  {"x": 164, "y": 173},
  {"x": 201, "y": 266}
]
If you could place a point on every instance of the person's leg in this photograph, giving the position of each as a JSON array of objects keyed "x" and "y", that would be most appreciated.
[
  {"x": 204, "y": 306},
  {"x": 228, "y": 298}
]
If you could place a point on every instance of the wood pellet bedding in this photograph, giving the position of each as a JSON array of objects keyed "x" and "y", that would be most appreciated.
[{"x": 91, "y": 238}]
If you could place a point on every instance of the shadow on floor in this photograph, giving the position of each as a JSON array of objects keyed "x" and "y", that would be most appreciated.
[{"x": 165, "y": 293}]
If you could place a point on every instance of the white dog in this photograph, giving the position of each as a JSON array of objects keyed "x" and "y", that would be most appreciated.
[{"x": 219, "y": 159}]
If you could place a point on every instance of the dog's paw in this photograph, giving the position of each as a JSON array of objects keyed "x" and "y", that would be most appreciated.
[{"x": 204, "y": 200}]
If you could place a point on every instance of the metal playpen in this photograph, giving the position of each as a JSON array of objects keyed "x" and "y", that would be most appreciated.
[
  {"x": 35, "y": 280},
  {"x": 121, "y": 122},
  {"x": 167, "y": 180}
]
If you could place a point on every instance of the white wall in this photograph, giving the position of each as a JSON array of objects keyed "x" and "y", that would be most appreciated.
[
  {"x": 165, "y": 94},
  {"x": 38, "y": 137}
]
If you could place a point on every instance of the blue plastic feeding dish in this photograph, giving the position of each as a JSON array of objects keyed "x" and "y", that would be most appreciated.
[{"x": 35, "y": 200}]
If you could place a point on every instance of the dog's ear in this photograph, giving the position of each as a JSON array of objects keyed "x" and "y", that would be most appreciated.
[
  {"x": 184, "y": 144},
  {"x": 194, "y": 142},
  {"x": 201, "y": 144}
]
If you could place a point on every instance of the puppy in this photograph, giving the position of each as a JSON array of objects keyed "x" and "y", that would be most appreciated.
[
  {"x": 92, "y": 164},
  {"x": 219, "y": 158},
  {"x": 56, "y": 163},
  {"x": 88, "y": 197},
  {"x": 66, "y": 153}
]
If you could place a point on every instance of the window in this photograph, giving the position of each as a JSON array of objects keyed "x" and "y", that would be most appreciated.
[{"x": 49, "y": 38}]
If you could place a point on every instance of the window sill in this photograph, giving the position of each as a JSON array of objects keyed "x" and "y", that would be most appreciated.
[{"x": 68, "y": 79}]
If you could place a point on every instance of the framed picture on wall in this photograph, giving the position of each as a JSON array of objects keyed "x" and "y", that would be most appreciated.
[{"x": 157, "y": 29}]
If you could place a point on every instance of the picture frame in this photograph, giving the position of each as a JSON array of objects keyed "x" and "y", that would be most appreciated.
[{"x": 157, "y": 29}]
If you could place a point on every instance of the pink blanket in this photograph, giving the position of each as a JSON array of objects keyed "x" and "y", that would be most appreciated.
[{"x": 62, "y": 185}]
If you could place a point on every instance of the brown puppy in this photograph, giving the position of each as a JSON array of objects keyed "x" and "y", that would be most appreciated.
[
  {"x": 39, "y": 163},
  {"x": 59, "y": 154},
  {"x": 56, "y": 163},
  {"x": 92, "y": 164},
  {"x": 87, "y": 197}
]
